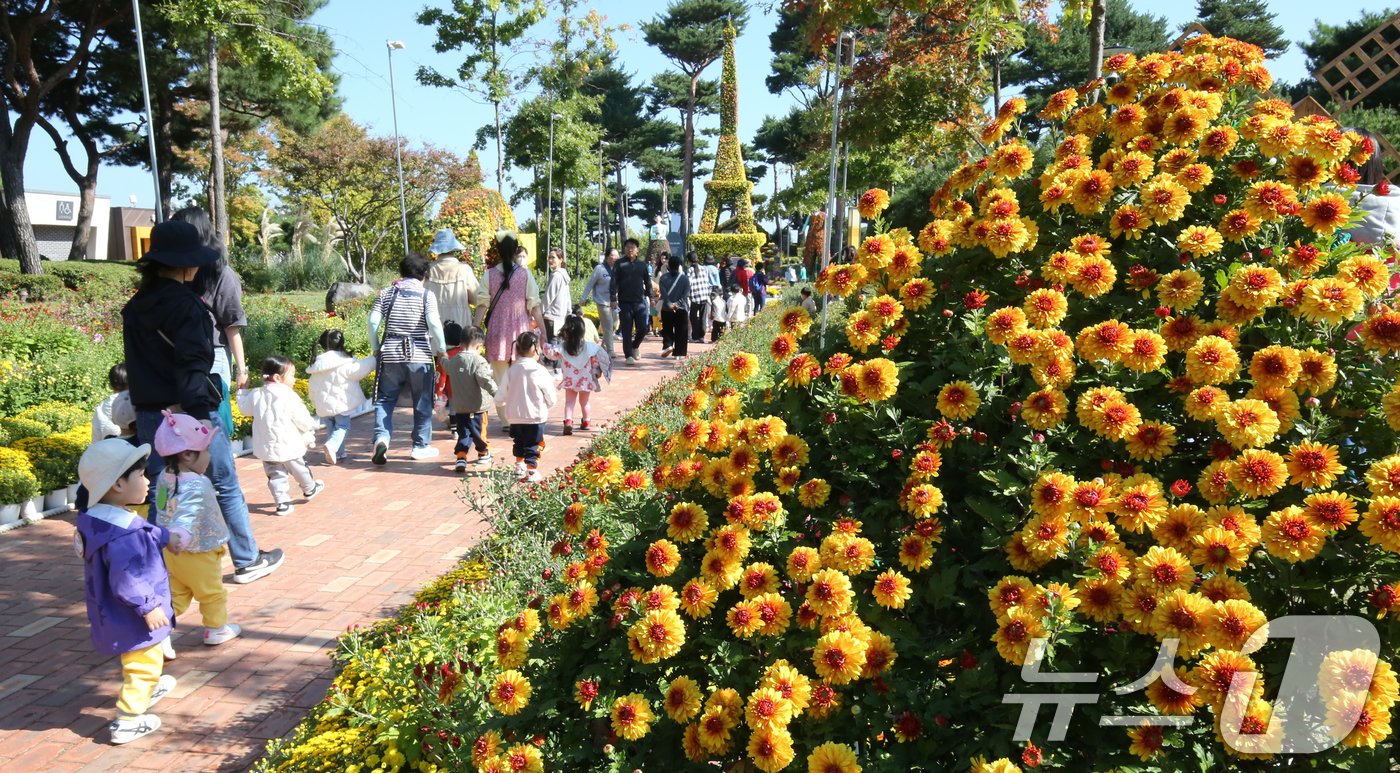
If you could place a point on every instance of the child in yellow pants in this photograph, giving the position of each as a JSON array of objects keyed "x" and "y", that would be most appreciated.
[
  {"x": 186, "y": 499},
  {"x": 128, "y": 589}
]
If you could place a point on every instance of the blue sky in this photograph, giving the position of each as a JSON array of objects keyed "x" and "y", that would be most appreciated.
[{"x": 450, "y": 119}]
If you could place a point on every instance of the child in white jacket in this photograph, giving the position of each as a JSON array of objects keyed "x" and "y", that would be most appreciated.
[
  {"x": 282, "y": 431},
  {"x": 738, "y": 308},
  {"x": 333, "y": 381},
  {"x": 527, "y": 393}
]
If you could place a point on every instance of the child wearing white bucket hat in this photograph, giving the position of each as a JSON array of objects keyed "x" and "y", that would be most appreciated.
[
  {"x": 128, "y": 588},
  {"x": 186, "y": 499}
]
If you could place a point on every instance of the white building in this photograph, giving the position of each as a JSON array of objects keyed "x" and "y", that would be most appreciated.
[{"x": 55, "y": 217}]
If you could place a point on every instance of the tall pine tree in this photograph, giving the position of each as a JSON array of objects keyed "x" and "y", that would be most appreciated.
[{"x": 1247, "y": 20}]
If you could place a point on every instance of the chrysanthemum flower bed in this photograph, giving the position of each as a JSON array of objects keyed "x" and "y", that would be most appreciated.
[
  {"x": 410, "y": 692},
  {"x": 1140, "y": 393}
]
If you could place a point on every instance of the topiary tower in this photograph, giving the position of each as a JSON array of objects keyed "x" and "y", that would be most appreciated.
[{"x": 730, "y": 186}]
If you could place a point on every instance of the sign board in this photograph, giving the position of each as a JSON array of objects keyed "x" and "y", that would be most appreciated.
[{"x": 65, "y": 210}]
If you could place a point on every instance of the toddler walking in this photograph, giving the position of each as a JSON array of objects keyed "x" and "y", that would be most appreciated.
[
  {"x": 718, "y": 313},
  {"x": 186, "y": 499},
  {"x": 527, "y": 395},
  {"x": 333, "y": 381},
  {"x": 582, "y": 363},
  {"x": 114, "y": 416},
  {"x": 469, "y": 387},
  {"x": 282, "y": 431},
  {"x": 737, "y": 306},
  {"x": 127, "y": 586}
]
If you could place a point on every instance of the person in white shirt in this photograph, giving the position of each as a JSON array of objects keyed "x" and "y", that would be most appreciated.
[
  {"x": 114, "y": 416},
  {"x": 450, "y": 280},
  {"x": 526, "y": 395},
  {"x": 737, "y": 306},
  {"x": 718, "y": 313},
  {"x": 282, "y": 431}
]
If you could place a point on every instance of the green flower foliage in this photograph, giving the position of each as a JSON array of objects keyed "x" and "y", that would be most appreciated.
[{"x": 475, "y": 216}]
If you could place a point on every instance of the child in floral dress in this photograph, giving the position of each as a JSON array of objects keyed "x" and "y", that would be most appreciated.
[{"x": 583, "y": 365}]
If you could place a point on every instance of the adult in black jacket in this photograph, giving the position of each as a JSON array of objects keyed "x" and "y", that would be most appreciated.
[
  {"x": 168, "y": 338},
  {"x": 631, "y": 286}
]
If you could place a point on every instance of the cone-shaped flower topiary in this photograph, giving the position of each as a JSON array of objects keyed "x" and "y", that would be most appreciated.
[{"x": 730, "y": 187}]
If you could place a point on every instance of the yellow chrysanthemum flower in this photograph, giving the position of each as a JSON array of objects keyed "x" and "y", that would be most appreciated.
[
  {"x": 510, "y": 693},
  {"x": 958, "y": 401},
  {"x": 631, "y": 716},
  {"x": 1292, "y": 536},
  {"x": 832, "y": 757}
]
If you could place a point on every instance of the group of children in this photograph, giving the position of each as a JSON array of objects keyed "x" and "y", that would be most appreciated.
[
  {"x": 526, "y": 397},
  {"x": 726, "y": 312}
]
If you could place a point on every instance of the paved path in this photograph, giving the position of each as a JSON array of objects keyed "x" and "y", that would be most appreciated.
[{"x": 357, "y": 553}]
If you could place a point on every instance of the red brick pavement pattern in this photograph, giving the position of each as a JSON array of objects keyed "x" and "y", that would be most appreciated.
[{"x": 357, "y": 553}]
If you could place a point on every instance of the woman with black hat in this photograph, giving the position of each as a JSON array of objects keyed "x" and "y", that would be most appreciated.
[{"x": 168, "y": 338}]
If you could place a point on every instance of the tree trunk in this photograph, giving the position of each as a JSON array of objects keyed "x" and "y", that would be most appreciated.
[
  {"x": 996, "y": 82},
  {"x": 688, "y": 184},
  {"x": 1098, "y": 13},
  {"x": 164, "y": 109},
  {"x": 621, "y": 208},
  {"x": 218, "y": 207},
  {"x": 777, "y": 220},
  {"x": 666, "y": 201},
  {"x": 16, "y": 232},
  {"x": 87, "y": 197},
  {"x": 500, "y": 156}
]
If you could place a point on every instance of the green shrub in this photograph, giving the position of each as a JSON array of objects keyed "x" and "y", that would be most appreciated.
[
  {"x": 21, "y": 429},
  {"x": 78, "y": 377},
  {"x": 36, "y": 287},
  {"x": 59, "y": 417},
  {"x": 55, "y": 458},
  {"x": 17, "y": 486}
]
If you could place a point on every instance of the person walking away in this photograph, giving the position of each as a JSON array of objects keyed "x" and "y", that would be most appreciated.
[
  {"x": 596, "y": 290},
  {"x": 675, "y": 309},
  {"x": 725, "y": 273},
  {"x": 218, "y": 285},
  {"x": 742, "y": 275},
  {"x": 114, "y": 416},
  {"x": 127, "y": 586},
  {"x": 470, "y": 385},
  {"x": 628, "y": 292},
  {"x": 282, "y": 431},
  {"x": 187, "y": 501},
  {"x": 808, "y": 303},
  {"x": 737, "y": 307},
  {"x": 790, "y": 274},
  {"x": 405, "y": 329},
  {"x": 168, "y": 340},
  {"x": 526, "y": 396},
  {"x": 718, "y": 314},
  {"x": 513, "y": 302},
  {"x": 712, "y": 271},
  {"x": 451, "y": 280},
  {"x": 556, "y": 296},
  {"x": 699, "y": 298},
  {"x": 584, "y": 365},
  {"x": 758, "y": 287},
  {"x": 333, "y": 382}
]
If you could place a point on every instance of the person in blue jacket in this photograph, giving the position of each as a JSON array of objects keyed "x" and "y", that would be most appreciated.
[{"x": 127, "y": 586}]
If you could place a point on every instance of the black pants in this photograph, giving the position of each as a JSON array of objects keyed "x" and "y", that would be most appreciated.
[
  {"x": 471, "y": 432},
  {"x": 675, "y": 329},
  {"x": 526, "y": 442},
  {"x": 697, "y": 320},
  {"x": 634, "y": 326},
  {"x": 716, "y": 330}
]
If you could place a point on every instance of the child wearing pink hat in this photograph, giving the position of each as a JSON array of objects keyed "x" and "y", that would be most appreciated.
[{"x": 186, "y": 499}]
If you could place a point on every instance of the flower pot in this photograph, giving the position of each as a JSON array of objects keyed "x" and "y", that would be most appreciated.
[
  {"x": 55, "y": 499},
  {"x": 9, "y": 514},
  {"x": 73, "y": 494},
  {"x": 237, "y": 444},
  {"x": 31, "y": 508}
]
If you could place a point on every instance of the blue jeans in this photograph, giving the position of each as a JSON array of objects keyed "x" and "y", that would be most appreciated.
[
  {"x": 393, "y": 377},
  {"x": 634, "y": 325},
  {"x": 241, "y": 545},
  {"x": 336, "y": 427}
]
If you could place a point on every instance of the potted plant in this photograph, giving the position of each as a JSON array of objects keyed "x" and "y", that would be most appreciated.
[
  {"x": 55, "y": 460},
  {"x": 17, "y": 488},
  {"x": 242, "y": 426}
]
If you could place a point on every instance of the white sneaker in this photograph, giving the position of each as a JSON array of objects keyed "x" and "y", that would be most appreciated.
[
  {"x": 128, "y": 729},
  {"x": 164, "y": 685},
  {"x": 483, "y": 459},
  {"x": 213, "y": 637},
  {"x": 533, "y": 476},
  {"x": 330, "y": 454},
  {"x": 521, "y": 471},
  {"x": 319, "y": 486},
  {"x": 426, "y": 452},
  {"x": 167, "y": 649}
]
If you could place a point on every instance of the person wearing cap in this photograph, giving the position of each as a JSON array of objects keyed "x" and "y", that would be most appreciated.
[
  {"x": 451, "y": 281},
  {"x": 168, "y": 340},
  {"x": 127, "y": 587},
  {"x": 597, "y": 290},
  {"x": 186, "y": 500}
]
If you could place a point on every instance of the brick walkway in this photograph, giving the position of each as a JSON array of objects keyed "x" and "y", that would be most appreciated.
[{"x": 349, "y": 560}]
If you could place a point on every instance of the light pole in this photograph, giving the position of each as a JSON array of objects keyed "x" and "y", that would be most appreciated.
[
  {"x": 392, "y": 46},
  {"x": 604, "y": 232},
  {"x": 146, "y": 95},
  {"x": 549, "y": 196}
]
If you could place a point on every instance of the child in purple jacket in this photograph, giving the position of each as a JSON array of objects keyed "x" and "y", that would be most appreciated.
[{"x": 128, "y": 589}]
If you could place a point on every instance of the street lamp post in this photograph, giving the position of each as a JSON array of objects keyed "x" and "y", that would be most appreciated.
[
  {"x": 392, "y": 46},
  {"x": 146, "y": 97},
  {"x": 549, "y": 195},
  {"x": 604, "y": 232}
]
